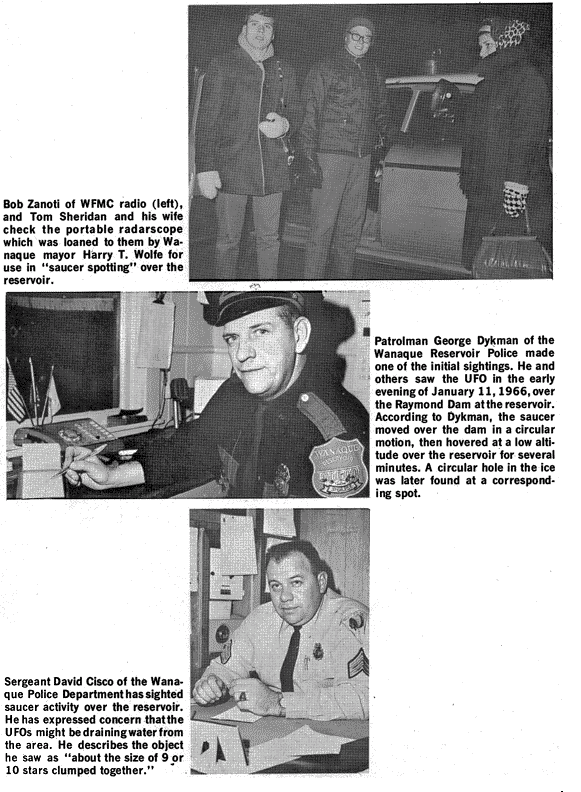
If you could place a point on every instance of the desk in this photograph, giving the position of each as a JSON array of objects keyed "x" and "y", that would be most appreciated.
[
  {"x": 205, "y": 485},
  {"x": 354, "y": 756}
]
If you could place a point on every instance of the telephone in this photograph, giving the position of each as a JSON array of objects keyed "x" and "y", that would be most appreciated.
[{"x": 80, "y": 432}]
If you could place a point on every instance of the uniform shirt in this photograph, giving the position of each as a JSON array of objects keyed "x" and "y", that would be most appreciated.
[
  {"x": 331, "y": 675},
  {"x": 315, "y": 429}
]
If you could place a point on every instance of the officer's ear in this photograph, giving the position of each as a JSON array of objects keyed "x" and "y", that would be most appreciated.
[
  {"x": 302, "y": 331},
  {"x": 322, "y": 581}
]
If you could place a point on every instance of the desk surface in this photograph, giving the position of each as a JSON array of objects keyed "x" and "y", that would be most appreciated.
[
  {"x": 354, "y": 756},
  {"x": 206, "y": 487}
]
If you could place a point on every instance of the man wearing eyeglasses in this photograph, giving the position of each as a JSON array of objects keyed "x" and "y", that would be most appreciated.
[{"x": 342, "y": 105}]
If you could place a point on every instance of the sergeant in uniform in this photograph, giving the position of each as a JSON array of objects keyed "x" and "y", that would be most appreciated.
[
  {"x": 280, "y": 426},
  {"x": 308, "y": 647}
]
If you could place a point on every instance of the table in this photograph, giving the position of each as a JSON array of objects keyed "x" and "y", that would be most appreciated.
[
  {"x": 206, "y": 485},
  {"x": 354, "y": 756}
]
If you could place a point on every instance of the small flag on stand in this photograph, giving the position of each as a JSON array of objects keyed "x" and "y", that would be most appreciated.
[
  {"x": 52, "y": 397},
  {"x": 14, "y": 401}
]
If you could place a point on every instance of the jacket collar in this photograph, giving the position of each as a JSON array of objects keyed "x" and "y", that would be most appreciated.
[
  {"x": 500, "y": 60},
  {"x": 290, "y": 397}
]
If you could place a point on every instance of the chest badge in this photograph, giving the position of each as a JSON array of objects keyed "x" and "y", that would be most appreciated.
[
  {"x": 338, "y": 468},
  {"x": 282, "y": 481},
  {"x": 318, "y": 652}
]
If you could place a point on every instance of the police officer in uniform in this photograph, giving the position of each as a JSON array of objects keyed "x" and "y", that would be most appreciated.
[
  {"x": 280, "y": 426},
  {"x": 308, "y": 647}
]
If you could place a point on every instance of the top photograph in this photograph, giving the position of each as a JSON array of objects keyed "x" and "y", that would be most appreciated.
[{"x": 370, "y": 142}]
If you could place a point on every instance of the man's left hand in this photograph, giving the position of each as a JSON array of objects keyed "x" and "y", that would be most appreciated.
[
  {"x": 252, "y": 695},
  {"x": 275, "y": 126}
]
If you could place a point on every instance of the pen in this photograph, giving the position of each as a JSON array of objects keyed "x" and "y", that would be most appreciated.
[{"x": 96, "y": 452}]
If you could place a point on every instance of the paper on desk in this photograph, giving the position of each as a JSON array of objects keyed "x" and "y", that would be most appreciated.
[
  {"x": 266, "y": 755},
  {"x": 40, "y": 462},
  {"x": 235, "y": 714},
  {"x": 305, "y": 741}
]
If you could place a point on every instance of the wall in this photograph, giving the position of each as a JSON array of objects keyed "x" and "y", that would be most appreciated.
[{"x": 342, "y": 538}]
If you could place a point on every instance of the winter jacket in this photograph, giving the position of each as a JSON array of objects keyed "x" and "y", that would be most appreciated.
[
  {"x": 507, "y": 128},
  {"x": 237, "y": 95},
  {"x": 342, "y": 107}
]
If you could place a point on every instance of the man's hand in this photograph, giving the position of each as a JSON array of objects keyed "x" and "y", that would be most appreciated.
[
  {"x": 209, "y": 690},
  {"x": 86, "y": 468},
  {"x": 209, "y": 183},
  {"x": 252, "y": 695},
  {"x": 275, "y": 126}
]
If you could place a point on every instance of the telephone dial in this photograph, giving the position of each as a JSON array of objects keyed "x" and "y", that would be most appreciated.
[{"x": 79, "y": 432}]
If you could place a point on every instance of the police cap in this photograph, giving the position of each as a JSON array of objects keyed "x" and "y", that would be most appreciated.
[{"x": 224, "y": 307}]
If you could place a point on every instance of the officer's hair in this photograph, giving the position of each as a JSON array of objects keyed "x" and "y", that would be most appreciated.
[
  {"x": 282, "y": 550},
  {"x": 289, "y": 314}
]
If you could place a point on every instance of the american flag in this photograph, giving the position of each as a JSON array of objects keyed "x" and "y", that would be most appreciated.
[{"x": 14, "y": 401}]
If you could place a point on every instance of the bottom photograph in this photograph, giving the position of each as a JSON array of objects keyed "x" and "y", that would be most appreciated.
[{"x": 279, "y": 640}]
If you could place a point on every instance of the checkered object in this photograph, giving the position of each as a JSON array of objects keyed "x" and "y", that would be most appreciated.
[{"x": 514, "y": 202}]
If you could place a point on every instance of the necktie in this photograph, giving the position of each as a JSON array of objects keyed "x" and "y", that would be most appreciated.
[
  {"x": 248, "y": 483},
  {"x": 288, "y": 665}
]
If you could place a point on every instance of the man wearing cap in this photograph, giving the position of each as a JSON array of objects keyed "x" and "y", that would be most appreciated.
[
  {"x": 341, "y": 125},
  {"x": 304, "y": 654},
  {"x": 249, "y": 102},
  {"x": 280, "y": 426}
]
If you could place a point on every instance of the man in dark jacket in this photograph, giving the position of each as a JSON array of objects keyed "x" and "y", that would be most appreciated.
[
  {"x": 341, "y": 100},
  {"x": 249, "y": 102},
  {"x": 281, "y": 426},
  {"x": 505, "y": 166}
]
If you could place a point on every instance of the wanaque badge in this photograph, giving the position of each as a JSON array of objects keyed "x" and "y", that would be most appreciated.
[{"x": 338, "y": 468}]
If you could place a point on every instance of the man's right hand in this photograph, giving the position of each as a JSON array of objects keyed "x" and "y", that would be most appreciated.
[
  {"x": 209, "y": 690},
  {"x": 86, "y": 468},
  {"x": 209, "y": 183}
]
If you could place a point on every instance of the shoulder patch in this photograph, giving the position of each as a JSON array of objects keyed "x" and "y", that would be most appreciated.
[
  {"x": 358, "y": 665},
  {"x": 319, "y": 413},
  {"x": 226, "y": 652},
  {"x": 338, "y": 468},
  {"x": 356, "y": 620}
]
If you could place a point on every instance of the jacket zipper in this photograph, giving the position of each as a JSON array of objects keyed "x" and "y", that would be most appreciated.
[{"x": 263, "y": 70}]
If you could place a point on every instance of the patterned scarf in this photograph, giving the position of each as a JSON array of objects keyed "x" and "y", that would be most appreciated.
[
  {"x": 257, "y": 55},
  {"x": 506, "y": 32}
]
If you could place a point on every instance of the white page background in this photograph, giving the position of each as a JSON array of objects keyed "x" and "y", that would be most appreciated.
[{"x": 474, "y": 593}]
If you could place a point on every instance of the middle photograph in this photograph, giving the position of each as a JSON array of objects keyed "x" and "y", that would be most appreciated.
[{"x": 256, "y": 395}]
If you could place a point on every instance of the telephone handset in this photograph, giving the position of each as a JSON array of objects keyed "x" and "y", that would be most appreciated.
[{"x": 80, "y": 432}]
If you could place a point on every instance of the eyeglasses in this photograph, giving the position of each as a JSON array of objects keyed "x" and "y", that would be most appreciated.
[{"x": 357, "y": 38}]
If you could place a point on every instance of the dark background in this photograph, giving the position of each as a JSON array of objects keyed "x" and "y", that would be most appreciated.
[{"x": 406, "y": 35}]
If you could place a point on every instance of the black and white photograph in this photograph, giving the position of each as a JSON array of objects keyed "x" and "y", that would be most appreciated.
[
  {"x": 408, "y": 141},
  {"x": 279, "y": 641},
  {"x": 217, "y": 394}
]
